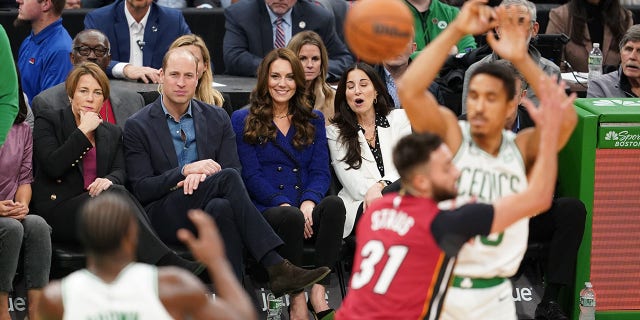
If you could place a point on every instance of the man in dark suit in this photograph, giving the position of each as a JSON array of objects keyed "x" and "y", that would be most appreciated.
[
  {"x": 251, "y": 26},
  {"x": 93, "y": 46},
  {"x": 140, "y": 32},
  {"x": 181, "y": 154}
]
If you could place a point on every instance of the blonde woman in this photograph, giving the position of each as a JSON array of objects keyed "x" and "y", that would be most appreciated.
[
  {"x": 204, "y": 91},
  {"x": 313, "y": 54}
]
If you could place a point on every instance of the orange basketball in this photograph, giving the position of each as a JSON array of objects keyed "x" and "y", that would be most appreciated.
[{"x": 378, "y": 30}]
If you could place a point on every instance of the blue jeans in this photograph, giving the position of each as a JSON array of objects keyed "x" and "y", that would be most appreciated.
[{"x": 34, "y": 235}]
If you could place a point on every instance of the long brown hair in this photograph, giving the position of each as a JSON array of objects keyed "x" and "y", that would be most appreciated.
[
  {"x": 258, "y": 126},
  {"x": 347, "y": 121},
  {"x": 204, "y": 91},
  {"x": 318, "y": 90}
]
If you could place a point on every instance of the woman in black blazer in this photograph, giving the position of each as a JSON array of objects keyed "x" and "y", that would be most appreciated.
[{"x": 78, "y": 156}]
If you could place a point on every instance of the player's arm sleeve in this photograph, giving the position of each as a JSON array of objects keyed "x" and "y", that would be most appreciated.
[{"x": 451, "y": 229}]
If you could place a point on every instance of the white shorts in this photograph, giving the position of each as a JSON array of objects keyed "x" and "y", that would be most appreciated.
[{"x": 494, "y": 303}]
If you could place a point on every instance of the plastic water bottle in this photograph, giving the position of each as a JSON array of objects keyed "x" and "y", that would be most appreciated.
[
  {"x": 595, "y": 62},
  {"x": 587, "y": 302},
  {"x": 275, "y": 307}
]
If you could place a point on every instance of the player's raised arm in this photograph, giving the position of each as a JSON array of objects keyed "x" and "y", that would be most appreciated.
[
  {"x": 232, "y": 301},
  {"x": 421, "y": 106},
  {"x": 539, "y": 193},
  {"x": 513, "y": 45}
]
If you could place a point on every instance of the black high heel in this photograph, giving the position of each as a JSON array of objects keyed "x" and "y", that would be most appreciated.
[{"x": 322, "y": 315}]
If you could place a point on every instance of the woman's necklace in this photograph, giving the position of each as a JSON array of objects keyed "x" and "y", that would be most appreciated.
[{"x": 282, "y": 116}]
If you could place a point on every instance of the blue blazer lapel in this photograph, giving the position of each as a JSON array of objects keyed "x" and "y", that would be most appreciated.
[
  {"x": 200, "y": 123},
  {"x": 159, "y": 126},
  {"x": 121, "y": 32},
  {"x": 151, "y": 31}
]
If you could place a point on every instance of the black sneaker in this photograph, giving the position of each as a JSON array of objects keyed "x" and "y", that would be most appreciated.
[{"x": 550, "y": 310}]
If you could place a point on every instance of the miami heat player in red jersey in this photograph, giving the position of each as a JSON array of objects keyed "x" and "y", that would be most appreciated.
[{"x": 405, "y": 256}]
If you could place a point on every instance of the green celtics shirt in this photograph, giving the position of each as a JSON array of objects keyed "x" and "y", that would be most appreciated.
[{"x": 431, "y": 23}]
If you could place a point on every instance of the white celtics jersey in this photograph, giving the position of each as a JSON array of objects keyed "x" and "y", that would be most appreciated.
[
  {"x": 132, "y": 295},
  {"x": 484, "y": 179}
]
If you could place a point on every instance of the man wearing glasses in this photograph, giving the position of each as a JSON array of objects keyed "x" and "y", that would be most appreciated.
[{"x": 92, "y": 46}]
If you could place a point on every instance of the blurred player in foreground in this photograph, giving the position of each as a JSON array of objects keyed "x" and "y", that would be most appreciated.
[
  {"x": 406, "y": 246},
  {"x": 494, "y": 163},
  {"x": 113, "y": 286}
]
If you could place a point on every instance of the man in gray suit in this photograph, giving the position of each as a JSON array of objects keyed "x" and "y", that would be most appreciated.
[{"x": 93, "y": 46}]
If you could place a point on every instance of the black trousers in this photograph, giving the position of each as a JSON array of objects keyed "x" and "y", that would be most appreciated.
[
  {"x": 63, "y": 221},
  {"x": 562, "y": 227},
  {"x": 225, "y": 198},
  {"x": 328, "y": 224}
]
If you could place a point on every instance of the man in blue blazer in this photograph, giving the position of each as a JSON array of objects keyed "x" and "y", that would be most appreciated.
[
  {"x": 250, "y": 28},
  {"x": 181, "y": 154},
  {"x": 139, "y": 36}
]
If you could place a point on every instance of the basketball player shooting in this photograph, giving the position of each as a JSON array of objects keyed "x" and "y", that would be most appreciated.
[
  {"x": 406, "y": 246},
  {"x": 493, "y": 162}
]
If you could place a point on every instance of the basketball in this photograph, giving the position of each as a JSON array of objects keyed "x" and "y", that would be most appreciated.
[{"x": 378, "y": 30}]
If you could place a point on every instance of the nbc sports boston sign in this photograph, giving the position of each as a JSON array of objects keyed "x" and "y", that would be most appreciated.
[{"x": 619, "y": 136}]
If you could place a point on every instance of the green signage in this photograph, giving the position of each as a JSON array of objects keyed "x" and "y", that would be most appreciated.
[{"x": 619, "y": 136}]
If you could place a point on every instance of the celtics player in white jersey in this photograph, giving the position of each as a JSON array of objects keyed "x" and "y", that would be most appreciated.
[
  {"x": 113, "y": 286},
  {"x": 493, "y": 162}
]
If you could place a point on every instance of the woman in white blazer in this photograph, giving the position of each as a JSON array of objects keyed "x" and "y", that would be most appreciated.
[{"x": 361, "y": 137}]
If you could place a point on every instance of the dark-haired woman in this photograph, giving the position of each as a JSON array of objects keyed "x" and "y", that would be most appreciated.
[
  {"x": 587, "y": 22},
  {"x": 285, "y": 165},
  {"x": 20, "y": 230},
  {"x": 364, "y": 131}
]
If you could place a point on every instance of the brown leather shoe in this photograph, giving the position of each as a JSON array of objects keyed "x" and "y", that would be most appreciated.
[{"x": 286, "y": 278}]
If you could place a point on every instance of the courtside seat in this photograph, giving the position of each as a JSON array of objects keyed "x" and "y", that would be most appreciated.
[{"x": 66, "y": 258}]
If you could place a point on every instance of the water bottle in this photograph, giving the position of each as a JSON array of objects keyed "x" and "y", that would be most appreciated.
[
  {"x": 275, "y": 307},
  {"x": 595, "y": 62},
  {"x": 587, "y": 302}
]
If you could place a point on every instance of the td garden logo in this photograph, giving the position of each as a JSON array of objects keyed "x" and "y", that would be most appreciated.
[{"x": 620, "y": 138}]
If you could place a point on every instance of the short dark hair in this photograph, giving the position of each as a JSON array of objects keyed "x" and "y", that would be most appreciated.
[
  {"x": 58, "y": 6},
  {"x": 414, "y": 150},
  {"x": 104, "y": 221},
  {"x": 501, "y": 72}
]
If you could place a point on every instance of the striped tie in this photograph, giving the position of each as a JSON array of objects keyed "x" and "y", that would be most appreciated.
[{"x": 279, "y": 43}]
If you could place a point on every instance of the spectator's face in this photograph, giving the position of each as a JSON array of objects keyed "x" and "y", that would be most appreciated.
[
  {"x": 440, "y": 173},
  {"x": 95, "y": 45},
  {"x": 360, "y": 93},
  {"x": 30, "y": 10},
  {"x": 513, "y": 106},
  {"x": 87, "y": 97},
  {"x": 487, "y": 105},
  {"x": 402, "y": 59},
  {"x": 198, "y": 54},
  {"x": 139, "y": 4},
  {"x": 523, "y": 13},
  {"x": 630, "y": 60},
  {"x": 280, "y": 7},
  {"x": 282, "y": 85},
  {"x": 311, "y": 60},
  {"x": 179, "y": 79}
]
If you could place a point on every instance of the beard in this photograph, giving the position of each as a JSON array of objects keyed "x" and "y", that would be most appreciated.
[
  {"x": 442, "y": 194},
  {"x": 21, "y": 23}
]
